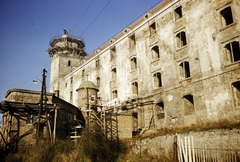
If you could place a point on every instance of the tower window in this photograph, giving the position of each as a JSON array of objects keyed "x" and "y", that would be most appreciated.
[
  {"x": 97, "y": 63},
  {"x": 185, "y": 70},
  {"x": 132, "y": 41},
  {"x": 114, "y": 73},
  {"x": 236, "y": 93},
  {"x": 83, "y": 73},
  {"x": 159, "y": 110},
  {"x": 133, "y": 63},
  {"x": 98, "y": 81},
  {"x": 71, "y": 95},
  {"x": 114, "y": 94},
  {"x": 226, "y": 16},
  {"x": 152, "y": 28},
  {"x": 69, "y": 63},
  {"x": 181, "y": 39},
  {"x": 135, "y": 88},
  {"x": 157, "y": 80},
  {"x": 233, "y": 51},
  {"x": 178, "y": 13},
  {"x": 155, "y": 52},
  {"x": 188, "y": 104}
]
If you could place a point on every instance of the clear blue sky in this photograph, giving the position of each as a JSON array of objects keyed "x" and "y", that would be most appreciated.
[{"x": 27, "y": 26}]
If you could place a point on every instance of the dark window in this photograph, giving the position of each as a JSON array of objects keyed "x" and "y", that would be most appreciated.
[
  {"x": 181, "y": 39},
  {"x": 159, "y": 108},
  {"x": 155, "y": 52},
  {"x": 135, "y": 88},
  {"x": 69, "y": 63},
  {"x": 157, "y": 80},
  {"x": 114, "y": 94},
  {"x": 112, "y": 53},
  {"x": 83, "y": 73},
  {"x": 188, "y": 104},
  {"x": 226, "y": 16},
  {"x": 132, "y": 41},
  {"x": 97, "y": 63},
  {"x": 152, "y": 29},
  {"x": 236, "y": 93},
  {"x": 233, "y": 51},
  {"x": 133, "y": 63},
  {"x": 71, "y": 95},
  {"x": 114, "y": 73},
  {"x": 185, "y": 69},
  {"x": 178, "y": 13},
  {"x": 98, "y": 81}
]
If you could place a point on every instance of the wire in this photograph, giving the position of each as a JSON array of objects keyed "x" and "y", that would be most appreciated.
[
  {"x": 96, "y": 17},
  {"x": 82, "y": 15}
]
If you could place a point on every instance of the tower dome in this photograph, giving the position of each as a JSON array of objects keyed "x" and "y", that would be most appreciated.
[{"x": 88, "y": 85}]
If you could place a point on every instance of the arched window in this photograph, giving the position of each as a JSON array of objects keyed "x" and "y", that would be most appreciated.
[
  {"x": 69, "y": 63},
  {"x": 188, "y": 104},
  {"x": 157, "y": 80},
  {"x": 159, "y": 110},
  {"x": 133, "y": 63},
  {"x": 155, "y": 52},
  {"x": 135, "y": 88}
]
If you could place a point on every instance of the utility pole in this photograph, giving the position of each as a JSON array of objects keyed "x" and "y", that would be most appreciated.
[{"x": 43, "y": 93}]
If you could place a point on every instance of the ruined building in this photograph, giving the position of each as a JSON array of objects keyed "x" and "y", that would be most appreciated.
[{"x": 178, "y": 64}]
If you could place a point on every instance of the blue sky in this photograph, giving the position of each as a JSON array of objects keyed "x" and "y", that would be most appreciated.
[{"x": 27, "y": 26}]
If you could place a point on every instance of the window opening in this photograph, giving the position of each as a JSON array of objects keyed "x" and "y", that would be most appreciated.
[
  {"x": 157, "y": 80},
  {"x": 236, "y": 93},
  {"x": 132, "y": 41},
  {"x": 69, "y": 63},
  {"x": 226, "y": 16},
  {"x": 71, "y": 96},
  {"x": 159, "y": 108},
  {"x": 97, "y": 63},
  {"x": 114, "y": 94},
  {"x": 188, "y": 104},
  {"x": 233, "y": 51},
  {"x": 133, "y": 63},
  {"x": 155, "y": 52},
  {"x": 98, "y": 81},
  {"x": 185, "y": 69},
  {"x": 152, "y": 28},
  {"x": 114, "y": 73},
  {"x": 135, "y": 88},
  {"x": 71, "y": 80},
  {"x": 83, "y": 73},
  {"x": 181, "y": 39},
  {"x": 178, "y": 13},
  {"x": 113, "y": 52}
]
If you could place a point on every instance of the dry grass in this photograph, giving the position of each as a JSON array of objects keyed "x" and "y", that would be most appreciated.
[{"x": 203, "y": 126}]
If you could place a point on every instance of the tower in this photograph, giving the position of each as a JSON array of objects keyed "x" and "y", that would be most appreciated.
[{"x": 66, "y": 53}]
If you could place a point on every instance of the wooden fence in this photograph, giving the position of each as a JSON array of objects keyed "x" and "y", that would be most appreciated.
[{"x": 188, "y": 151}]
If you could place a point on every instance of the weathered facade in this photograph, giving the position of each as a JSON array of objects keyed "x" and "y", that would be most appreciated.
[{"x": 178, "y": 64}]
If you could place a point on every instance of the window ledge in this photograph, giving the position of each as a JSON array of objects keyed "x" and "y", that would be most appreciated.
[
  {"x": 180, "y": 48},
  {"x": 155, "y": 60},
  {"x": 232, "y": 63},
  {"x": 185, "y": 81},
  {"x": 228, "y": 26}
]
